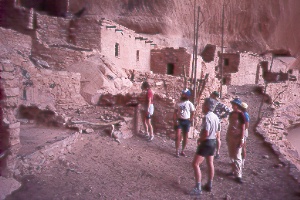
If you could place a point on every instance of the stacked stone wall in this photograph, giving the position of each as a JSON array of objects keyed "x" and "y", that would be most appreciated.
[
  {"x": 248, "y": 71},
  {"x": 160, "y": 58},
  {"x": 285, "y": 102},
  {"x": 129, "y": 43},
  {"x": 23, "y": 84}
]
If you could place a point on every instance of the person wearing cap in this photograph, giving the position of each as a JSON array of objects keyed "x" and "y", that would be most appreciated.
[
  {"x": 206, "y": 146},
  {"x": 235, "y": 138},
  {"x": 149, "y": 108},
  {"x": 222, "y": 111},
  {"x": 247, "y": 118},
  {"x": 182, "y": 117}
]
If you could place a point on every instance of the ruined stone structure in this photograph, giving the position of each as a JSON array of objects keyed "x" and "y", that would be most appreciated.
[
  {"x": 176, "y": 62},
  {"x": 61, "y": 63}
]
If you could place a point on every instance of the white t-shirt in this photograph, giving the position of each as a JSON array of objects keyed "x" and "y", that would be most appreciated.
[
  {"x": 184, "y": 109},
  {"x": 210, "y": 122}
]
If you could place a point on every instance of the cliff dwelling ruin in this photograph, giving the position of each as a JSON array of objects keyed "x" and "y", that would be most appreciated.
[{"x": 71, "y": 74}]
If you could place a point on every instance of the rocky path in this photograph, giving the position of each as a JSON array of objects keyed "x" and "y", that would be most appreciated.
[{"x": 100, "y": 168}]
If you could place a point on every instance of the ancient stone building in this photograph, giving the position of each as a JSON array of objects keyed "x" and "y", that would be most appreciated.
[{"x": 171, "y": 61}]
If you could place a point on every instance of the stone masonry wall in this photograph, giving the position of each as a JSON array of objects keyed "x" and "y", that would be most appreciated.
[
  {"x": 160, "y": 58},
  {"x": 24, "y": 84},
  {"x": 13, "y": 53},
  {"x": 247, "y": 70},
  {"x": 286, "y": 115},
  {"x": 129, "y": 43}
]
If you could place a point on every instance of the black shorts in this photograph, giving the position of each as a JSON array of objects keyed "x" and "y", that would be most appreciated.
[
  {"x": 207, "y": 148},
  {"x": 184, "y": 125}
]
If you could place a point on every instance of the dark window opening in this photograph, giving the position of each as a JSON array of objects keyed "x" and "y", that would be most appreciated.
[
  {"x": 117, "y": 50},
  {"x": 226, "y": 61},
  {"x": 137, "y": 55},
  {"x": 290, "y": 71},
  {"x": 170, "y": 69}
]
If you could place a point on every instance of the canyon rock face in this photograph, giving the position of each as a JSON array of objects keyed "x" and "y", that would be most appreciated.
[{"x": 248, "y": 25}]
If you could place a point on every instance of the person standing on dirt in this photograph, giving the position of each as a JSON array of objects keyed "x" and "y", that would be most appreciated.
[
  {"x": 247, "y": 118},
  {"x": 206, "y": 146},
  {"x": 149, "y": 110},
  {"x": 222, "y": 111},
  {"x": 235, "y": 139},
  {"x": 183, "y": 117}
]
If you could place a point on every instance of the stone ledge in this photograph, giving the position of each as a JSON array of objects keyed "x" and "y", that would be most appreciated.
[
  {"x": 293, "y": 170},
  {"x": 33, "y": 163},
  {"x": 7, "y": 186}
]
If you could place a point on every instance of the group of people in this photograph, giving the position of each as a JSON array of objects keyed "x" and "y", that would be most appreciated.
[{"x": 209, "y": 141}]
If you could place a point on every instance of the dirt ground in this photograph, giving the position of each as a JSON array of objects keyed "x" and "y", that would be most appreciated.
[{"x": 100, "y": 168}]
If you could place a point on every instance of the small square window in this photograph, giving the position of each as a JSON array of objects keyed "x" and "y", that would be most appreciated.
[
  {"x": 226, "y": 61},
  {"x": 117, "y": 50},
  {"x": 137, "y": 55}
]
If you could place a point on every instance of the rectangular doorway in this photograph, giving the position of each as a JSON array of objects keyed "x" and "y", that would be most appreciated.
[{"x": 170, "y": 69}]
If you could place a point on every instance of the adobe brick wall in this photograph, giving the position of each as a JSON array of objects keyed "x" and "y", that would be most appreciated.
[{"x": 160, "y": 58}]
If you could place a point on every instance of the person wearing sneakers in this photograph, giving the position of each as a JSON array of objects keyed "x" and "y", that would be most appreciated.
[
  {"x": 235, "y": 139},
  {"x": 183, "y": 116},
  {"x": 247, "y": 118},
  {"x": 149, "y": 110},
  {"x": 206, "y": 146},
  {"x": 222, "y": 111}
]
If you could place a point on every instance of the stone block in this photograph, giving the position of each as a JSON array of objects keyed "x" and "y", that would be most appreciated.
[
  {"x": 7, "y": 186},
  {"x": 14, "y": 125},
  {"x": 11, "y": 92},
  {"x": 11, "y": 102},
  {"x": 7, "y": 75},
  {"x": 7, "y": 67}
]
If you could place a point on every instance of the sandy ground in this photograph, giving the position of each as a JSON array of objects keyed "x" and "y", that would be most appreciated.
[{"x": 101, "y": 168}]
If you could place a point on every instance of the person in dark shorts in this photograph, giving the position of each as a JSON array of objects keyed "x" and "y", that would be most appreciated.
[
  {"x": 183, "y": 116},
  {"x": 222, "y": 111},
  {"x": 206, "y": 146}
]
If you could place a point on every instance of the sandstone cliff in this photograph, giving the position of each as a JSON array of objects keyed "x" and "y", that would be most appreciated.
[{"x": 248, "y": 25}]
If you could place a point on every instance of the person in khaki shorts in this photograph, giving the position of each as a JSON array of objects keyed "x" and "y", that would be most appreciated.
[
  {"x": 247, "y": 118},
  {"x": 235, "y": 139}
]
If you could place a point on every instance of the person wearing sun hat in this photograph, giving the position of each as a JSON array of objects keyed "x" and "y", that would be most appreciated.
[
  {"x": 222, "y": 111},
  {"x": 247, "y": 118},
  {"x": 182, "y": 117},
  {"x": 235, "y": 138}
]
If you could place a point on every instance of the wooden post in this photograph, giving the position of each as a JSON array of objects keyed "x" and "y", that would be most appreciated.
[
  {"x": 222, "y": 50},
  {"x": 196, "y": 52}
]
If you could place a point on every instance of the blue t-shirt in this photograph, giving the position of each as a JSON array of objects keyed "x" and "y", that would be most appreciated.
[{"x": 247, "y": 117}]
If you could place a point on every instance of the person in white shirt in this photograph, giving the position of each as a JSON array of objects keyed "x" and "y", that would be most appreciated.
[
  {"x": 206, "y": 146},
  {"x": 183, "y": 117}
]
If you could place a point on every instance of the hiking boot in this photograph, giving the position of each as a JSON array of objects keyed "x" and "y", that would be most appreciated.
[
  {"x": 239, "y": 180},
  {"x": 183, "y": 154},
  {"x": 195, "y": 191},
  {"x": 217, "y": 156},
  {"x": 230, "y": 174},
  {"x": 151, "y": 138},
  {"x": 207, "y": 187}
]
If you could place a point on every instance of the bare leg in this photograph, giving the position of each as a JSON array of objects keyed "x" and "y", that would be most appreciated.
[
  {"x": 218, "y": 136},
  {"x": 146, "y": 125},
  {"x": 211, "y": 167},
  {"x": 178, "y": 140},
  {"x": 196, "y": 166},
  {"x": 185, "y": 140},
  {"x": 150, "y": 127}
]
